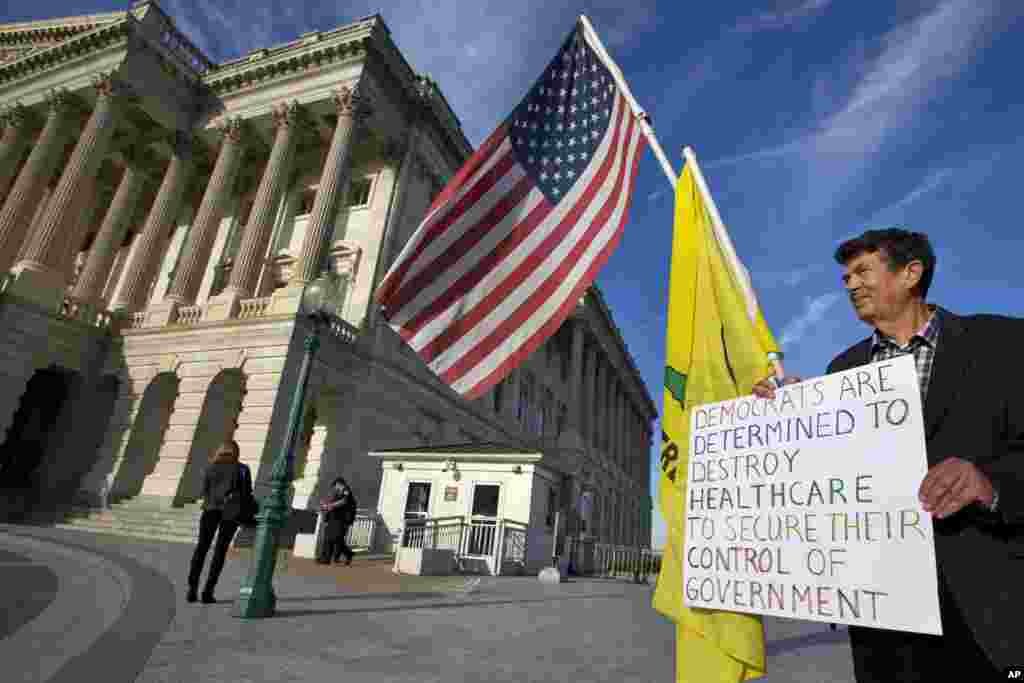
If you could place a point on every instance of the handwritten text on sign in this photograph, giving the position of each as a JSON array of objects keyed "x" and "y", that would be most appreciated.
[{"x": 806, "y": 506}]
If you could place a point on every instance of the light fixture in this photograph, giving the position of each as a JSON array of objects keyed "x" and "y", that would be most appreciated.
[
  {"x": 518, "y": 469},
  {"x": 319, "y": 298},
  {"x": 397, "y": 466}
]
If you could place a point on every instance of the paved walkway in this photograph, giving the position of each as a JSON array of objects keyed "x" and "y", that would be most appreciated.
[{"x": 75, "y": 605}]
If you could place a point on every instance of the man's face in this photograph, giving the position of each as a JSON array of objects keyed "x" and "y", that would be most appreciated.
[{"x": 875, "y": 291}]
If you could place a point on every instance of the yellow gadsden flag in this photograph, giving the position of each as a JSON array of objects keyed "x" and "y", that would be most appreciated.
[{"x": 718, "y": 347}]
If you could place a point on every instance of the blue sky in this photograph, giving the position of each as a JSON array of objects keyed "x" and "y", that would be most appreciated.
[{"x": 812, "y": 119}]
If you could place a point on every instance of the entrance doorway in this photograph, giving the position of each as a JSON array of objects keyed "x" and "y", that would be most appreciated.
[{"x": 28, "y": 439}]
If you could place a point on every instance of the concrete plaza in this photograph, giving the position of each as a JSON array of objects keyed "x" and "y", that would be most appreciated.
[{"x": 74, "y": 606}]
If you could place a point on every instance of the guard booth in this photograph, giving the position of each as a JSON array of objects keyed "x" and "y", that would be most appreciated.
[{"x": 468, "y": 508}]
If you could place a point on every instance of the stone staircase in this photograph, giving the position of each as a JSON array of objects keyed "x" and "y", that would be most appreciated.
[{"x": 138, "y": 518}]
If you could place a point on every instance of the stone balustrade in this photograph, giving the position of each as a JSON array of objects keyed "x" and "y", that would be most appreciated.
[
  {"x": 189, "y": 315},
  {"x": 253, "y": 308}
]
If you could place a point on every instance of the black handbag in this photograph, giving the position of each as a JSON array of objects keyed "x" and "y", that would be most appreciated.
[{"x": 239, "y": 504}]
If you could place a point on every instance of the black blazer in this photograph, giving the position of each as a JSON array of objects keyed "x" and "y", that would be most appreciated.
[{"x": 975, "y": 410}]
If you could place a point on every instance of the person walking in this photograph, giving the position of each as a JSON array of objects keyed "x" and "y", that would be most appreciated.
[
  {"x": 224, "y": 481},
  {"x": 340, "y": 509}
]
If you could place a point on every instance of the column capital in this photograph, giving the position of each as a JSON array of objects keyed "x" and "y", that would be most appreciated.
[
  {"x": 290, "y": 114},
  {"x": 109, "y": 85},
  {"x": 60, "y": 101},
  {"x": 182, "y": 144},
  {"x": 352, "y": 102},
  {"x": 16, "y": 115},
  {"x": 233, "y": 129}
]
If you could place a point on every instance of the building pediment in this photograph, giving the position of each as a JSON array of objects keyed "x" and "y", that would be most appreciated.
[{"x": 21, "y": 39}]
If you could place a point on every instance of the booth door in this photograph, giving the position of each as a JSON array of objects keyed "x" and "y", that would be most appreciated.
[
  {"x": 417, "y": 510},
  {"x": 483, "y": 523}
]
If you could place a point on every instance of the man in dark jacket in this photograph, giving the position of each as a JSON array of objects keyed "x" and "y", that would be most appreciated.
[
  {"x": 340, "y": 510},
  {"x": 970, "y": 377}
]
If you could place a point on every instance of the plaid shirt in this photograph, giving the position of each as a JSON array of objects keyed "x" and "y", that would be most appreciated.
[{"x": 923, "y": 345}]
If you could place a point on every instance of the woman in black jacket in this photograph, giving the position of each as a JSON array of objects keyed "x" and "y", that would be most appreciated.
[{"x": 223, "y": 475}]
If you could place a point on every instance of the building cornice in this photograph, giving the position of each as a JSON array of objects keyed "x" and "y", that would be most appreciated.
[
  {"x": 310, "y": 51},
  {"x": 101, "y": 38},
  {"x": 46, "y": 30},
  {"x": 601, "y": 306}
]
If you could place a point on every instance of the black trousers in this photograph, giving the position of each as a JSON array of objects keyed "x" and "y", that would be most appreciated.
[
  {"x": 211, "y": 522},
  {"x": 884, "y": 656},
  {"x": 334, "y": 542}
]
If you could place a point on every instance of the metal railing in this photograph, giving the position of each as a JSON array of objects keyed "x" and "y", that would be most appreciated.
[
  {"x": 514, "y": 542},
  {"x": 361, "y": 534},
  {"x": 501, "y": 541},
  {"x": 607, "y": 560}
]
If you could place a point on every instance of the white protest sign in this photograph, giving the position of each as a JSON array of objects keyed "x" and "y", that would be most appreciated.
[{"x": 806, "y": 506}]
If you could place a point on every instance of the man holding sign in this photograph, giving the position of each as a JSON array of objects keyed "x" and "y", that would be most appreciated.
[{"x": 970, "y": 379}]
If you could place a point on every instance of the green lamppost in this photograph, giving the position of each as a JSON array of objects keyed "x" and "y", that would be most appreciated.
[{"x": 257, "y": 599}]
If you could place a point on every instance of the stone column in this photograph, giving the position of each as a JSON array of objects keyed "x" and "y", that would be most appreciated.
[
  {"x": 142, "y": 268},
  {"x": 351, "y": 106},
  {"x": 100, "y": 262},
  {"x": 251, "y": 254},
  {"x": 39, "y": 274},
  {"x": 196, "y": 256},
  {"x": 82, "y": 217},
  {"x": 15, "y": 121},
  {"x": 23, "y": 199}
]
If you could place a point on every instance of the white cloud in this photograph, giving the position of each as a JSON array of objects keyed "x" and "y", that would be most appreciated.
[
  {"x": 789, "y": 278},
  {"x": 813, "y": 313},
  {"x": 888, "y": 92},
  {"x": 782, "y": 18},
  {"x": 931, "y": 182}
]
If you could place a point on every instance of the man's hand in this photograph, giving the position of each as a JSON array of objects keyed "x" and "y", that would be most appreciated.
[
  {"x": 766, "y": 387},
  {"x": 952, "y": 485}
]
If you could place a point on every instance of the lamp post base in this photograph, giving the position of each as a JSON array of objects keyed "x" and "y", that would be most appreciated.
[{"x": 256, "y": 597}]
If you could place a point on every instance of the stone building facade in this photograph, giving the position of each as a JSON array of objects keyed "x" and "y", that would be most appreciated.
[{"x": 160, "y": 217}]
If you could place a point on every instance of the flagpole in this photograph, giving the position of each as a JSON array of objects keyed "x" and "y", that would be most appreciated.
[
  {"x": 730, "y": 251},
  {"x": 620, "y": 80}
]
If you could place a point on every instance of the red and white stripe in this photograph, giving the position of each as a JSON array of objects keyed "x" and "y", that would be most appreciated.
[{"x": 494, "y": 268}]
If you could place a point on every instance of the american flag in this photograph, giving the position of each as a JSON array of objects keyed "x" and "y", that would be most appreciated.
[{"x": 517, "y": 236}]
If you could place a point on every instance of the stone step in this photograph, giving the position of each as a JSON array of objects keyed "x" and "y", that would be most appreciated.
[
  {"x": 130, "y": 525},
  {"x": 171, "y": 538},
  {"x": 106, "y": 517}
]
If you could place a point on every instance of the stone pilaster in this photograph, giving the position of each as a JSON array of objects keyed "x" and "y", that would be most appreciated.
[
  {"x": 142, "y": 268},
  {"x": 600, "y": 395},
  {"x": 23, "y": 198},
  {"x": 620, "y": 426},
  {"x": 196, "y": 257},
  {"x": 245, "y": 270},
  {"x": 100, "y": 262},
  {"x": 587, "y": 399},
  {"x": 16, "y": 124},
  {"x": 576, "y": 375},
  {"x": 40, "y": 275}
]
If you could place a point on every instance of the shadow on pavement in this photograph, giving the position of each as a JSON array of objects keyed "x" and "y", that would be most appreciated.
[{"x": 777, "y": 647}]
